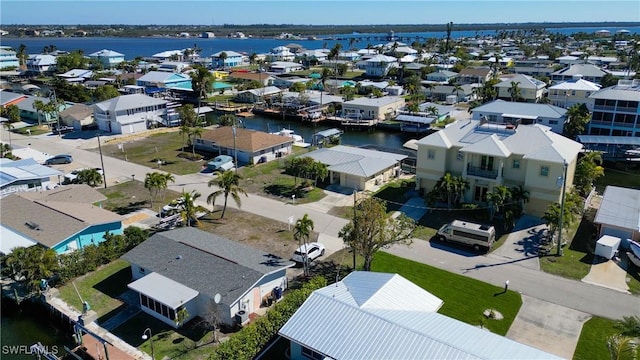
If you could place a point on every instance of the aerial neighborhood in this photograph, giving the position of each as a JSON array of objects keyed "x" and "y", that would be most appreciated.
[{"x": 412, "y": 197}]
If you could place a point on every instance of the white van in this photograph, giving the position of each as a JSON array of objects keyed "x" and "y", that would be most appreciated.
[{"x": 476, "y": 235}]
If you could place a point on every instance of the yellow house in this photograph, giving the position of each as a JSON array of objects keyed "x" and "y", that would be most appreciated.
[{"x": 487, "y": 155}]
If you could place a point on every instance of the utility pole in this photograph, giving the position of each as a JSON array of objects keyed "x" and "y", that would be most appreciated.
[
  {"x": 353, "y": 247},
  {"x": 235, "y": 150},
  {"x": 564, "y": 185},
  {"x": 104, "y": 173}
]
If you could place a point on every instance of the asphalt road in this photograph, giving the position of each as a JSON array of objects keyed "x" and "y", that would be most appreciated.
[{"x": 493, "y": 269}]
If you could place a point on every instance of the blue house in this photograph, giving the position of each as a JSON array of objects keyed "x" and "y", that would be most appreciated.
[
  {"x": 8, "y": 58},
  {"x": 233, "y": 59},
  {"x": 108, "y": 58},
  {"x": 164, "y": 80},
  {"x": 64, "y": 219}
]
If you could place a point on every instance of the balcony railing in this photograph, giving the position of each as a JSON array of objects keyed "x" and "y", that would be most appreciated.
[{"x": 481, "y": 172}]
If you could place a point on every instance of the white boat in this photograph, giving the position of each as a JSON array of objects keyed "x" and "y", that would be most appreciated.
[
  {"x": 635, "y": 248},
  {"x": 289, "y": 133}
]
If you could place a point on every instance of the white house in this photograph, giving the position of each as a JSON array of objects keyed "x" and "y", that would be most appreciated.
[
  {"x": 487, "y": 154},
  {"x": 128, "y": 114},
  {"x": 108, "y": 58},
  {"x": 378, "y": 65},
  {"x": 281, "y": 53},
  {"x": 193, "y": 269},
  {"x": 531, "y": 89},
  {"x": 587, "y": 72},
  {"x": 24, "y": 175},
  {"x": 257, "y": 95},
  {"x": 509, "y": 112},
  {"x": 371, "y": 315},
  {"x": 41, "y": 63},
  {"x": 8, "y": 58},
  {"x": 283, "y": 67},
  {"x": 357, "y": 168},
  {"x": 572, "y": 92}
]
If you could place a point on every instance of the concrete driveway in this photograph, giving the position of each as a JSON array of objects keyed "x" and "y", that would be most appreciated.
[
  {"x": 522, "y": 244},
  {"x": 549, "y": 327}
]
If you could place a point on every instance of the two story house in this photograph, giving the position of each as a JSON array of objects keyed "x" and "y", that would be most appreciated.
[
  {"x": 378, "y": 65},
  {"x": 231, "y": 59},
  {"x": 616, "y": 110},
  {"x": 488, "y": 154},
  {"x": 8, "y": 58},
  {"x": 508, "y": 112},
  {"x": 128, "y": 114},
  {"x": 531, "y": 89},
  {"x": 572, "y": 92}
]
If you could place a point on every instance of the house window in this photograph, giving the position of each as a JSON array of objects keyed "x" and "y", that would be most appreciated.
[
  {"x": 553, "y": 122},
  {"x": 516, "y": 164},
  {"x": 544, "y": 171},
  {"x": 431, "y": 154},
  {"x": 308, "y": 353}
]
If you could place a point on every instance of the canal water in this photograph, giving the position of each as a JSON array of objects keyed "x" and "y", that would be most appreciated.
[
  {"x": 27, "y": 324},
  {"x": 357, "y": 137}
]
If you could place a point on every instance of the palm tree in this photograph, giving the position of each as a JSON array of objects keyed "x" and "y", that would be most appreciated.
[
  {"x": 456, "y": 90},
  {"x": 39, "y": 106},
  {"x": 9, "y": 127},
  {"x": 514, "y": 91},
  {"x": 188, "y": 208},
  {"x": 223, "y": 57},
  {"x": 153, "y": 182},
  {"x": 21, "y": 53},
  {"x": 623, "y": 347},
  {"x": 228, "y": 183},
  {"x": 446, "y": 184},
  {"x": 497, "y": 197},
  {"x": 90, "y": 177},
  {"x": 519, "y": 196},
  {"x": 301, "y": 233},
  {"x": 195, "y": 133},
  {"x": 460, "y": 186},
  {"x": 164, "y": 183},
  {"x": 184, "y": 130},
  {"x": 201, "y": 80}
]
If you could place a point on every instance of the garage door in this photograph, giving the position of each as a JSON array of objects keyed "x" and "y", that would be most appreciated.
[{"x": 352, "y": 182}]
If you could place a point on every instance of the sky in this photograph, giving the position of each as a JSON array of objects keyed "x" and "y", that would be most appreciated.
[{"x": 312, "y": 12}]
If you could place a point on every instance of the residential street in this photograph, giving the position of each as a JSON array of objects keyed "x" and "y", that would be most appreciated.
[{"x": 493, "y": 269}]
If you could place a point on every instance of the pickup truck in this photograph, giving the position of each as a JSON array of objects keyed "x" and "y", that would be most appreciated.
[{"x": 62, "y": 129}]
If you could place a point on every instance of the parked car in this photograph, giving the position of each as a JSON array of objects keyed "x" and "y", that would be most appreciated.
[
  {"x": 59, "y": 159},
  {"x": 221, "y": 163},
  {"x": 63, "y": 129},
  {"x": 72, "y": 177},
  {"x": 312, "y": 251}
]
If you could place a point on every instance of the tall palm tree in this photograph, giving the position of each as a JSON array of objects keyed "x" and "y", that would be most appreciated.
[
  {"x": 223, "y": 57},
  {"x": 460, "y": 186},
  {"x": 514, "y": 91},
  {"x": 9, "y": 127},
  {"x": 301, "y": 233},
  {"x": 201, "y": 80},
  {"x": 184, "y": 131},
  {"x": 39, "y": 107},
  {"x": 195, "y": 133},
  {"x": 519, "y": 196},
  {"x": 188, "y": 208},
  {"x": 228, "y": 183},
  {"x": 164, "y": 183},
  {"x": 456, "y": 90},
  {"x": 21, "y": 53},
  {"x": 447, "y": 184}
]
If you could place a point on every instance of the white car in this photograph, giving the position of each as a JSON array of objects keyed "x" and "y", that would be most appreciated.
[
  {"x": 71, "y": 177},
  {"x": 312, "y": 251}
]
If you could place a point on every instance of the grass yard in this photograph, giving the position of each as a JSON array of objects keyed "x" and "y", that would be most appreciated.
[
  {"x": 189, "y": 342},
  {"x": 99, "y": 288},
  {"x": 130, "y": 196},
  {"x": 629, "y": 178},
  {"x": 592, "y": 342},
  {"x": 464, "y": 298},
  {"x": 165, "y": 146},
  {"x": 35, "y": 130}
]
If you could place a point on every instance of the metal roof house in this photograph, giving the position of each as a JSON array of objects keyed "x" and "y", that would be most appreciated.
[
  {"x": 508, "y": 112},
  {"x": 24, "y": 175},
  {"x": 191, "y": 268},
  {"x": 63, "y": 219},
  {"x": 129, "y": 114},
  {"x": 619, "y": 213},
  {"x": 358, "y": 168},
  {"x": 108, "y": 58},
  {"x": 372, "y": 315},
  {"x": 487, "y": 154}
]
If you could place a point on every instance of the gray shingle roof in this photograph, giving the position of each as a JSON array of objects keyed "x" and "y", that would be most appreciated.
[{"x": 205, "y": 262}]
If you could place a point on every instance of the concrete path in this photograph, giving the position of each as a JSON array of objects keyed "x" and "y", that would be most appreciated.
[
  {"x": 550, "y": 327},
  {"x": 523, "y": 242},
  {"x": 611, "y": 274}
]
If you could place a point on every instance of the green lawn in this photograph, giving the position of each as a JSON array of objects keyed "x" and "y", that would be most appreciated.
[
  {"x": 464, "y": 298},
  {"x": 99, "y": 288},
  {"x": 166, "y": 146},
  {"x": 592, "y": 343},
  {"x": 35, "y": 130},
  {"x": 629, "y": 178},
  {"x": 188, "y": 342}
]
